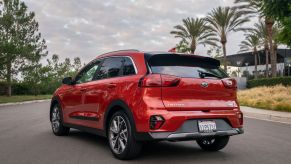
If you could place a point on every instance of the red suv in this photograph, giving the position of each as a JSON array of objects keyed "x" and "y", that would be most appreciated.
[{"x": 130, "y": 97}]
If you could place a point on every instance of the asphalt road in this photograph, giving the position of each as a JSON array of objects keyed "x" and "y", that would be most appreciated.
[{"x": 26, "y": 137}]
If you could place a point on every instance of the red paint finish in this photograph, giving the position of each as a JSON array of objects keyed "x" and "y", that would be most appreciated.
[{"x": 176, "y": 99}]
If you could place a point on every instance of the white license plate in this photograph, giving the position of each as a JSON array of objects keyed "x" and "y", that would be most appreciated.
[{"x": 206, "y": 126}]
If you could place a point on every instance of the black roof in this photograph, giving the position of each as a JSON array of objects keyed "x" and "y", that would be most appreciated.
[{"x": 248, "y": 57}]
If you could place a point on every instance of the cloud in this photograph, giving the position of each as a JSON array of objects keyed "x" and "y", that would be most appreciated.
[{"x": 89, "y": 28}]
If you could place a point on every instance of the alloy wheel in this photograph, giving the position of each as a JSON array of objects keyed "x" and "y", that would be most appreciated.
[
  {"x": 56, "y": 121},
  {"x": 118, "y": 134}
]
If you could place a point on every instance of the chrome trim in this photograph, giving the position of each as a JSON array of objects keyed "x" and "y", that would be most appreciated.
[
  {"x": 193, "y": 135},
  {"x": 198, "y": 135}
]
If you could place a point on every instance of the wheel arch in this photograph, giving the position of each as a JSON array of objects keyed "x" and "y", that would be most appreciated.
[{"x": 113, "y": 107}]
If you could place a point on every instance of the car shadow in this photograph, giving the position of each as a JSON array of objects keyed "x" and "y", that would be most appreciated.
[{"x": 164, "y": 150}]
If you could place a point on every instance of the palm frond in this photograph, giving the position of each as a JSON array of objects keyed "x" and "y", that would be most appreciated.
[{"x": 194, "y": 31}]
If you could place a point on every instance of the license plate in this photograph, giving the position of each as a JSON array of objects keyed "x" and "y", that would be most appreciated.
[{"x": 206, "y": 126}]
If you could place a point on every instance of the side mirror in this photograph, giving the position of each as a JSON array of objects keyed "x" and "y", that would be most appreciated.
[{"x": 68, "y": 80}]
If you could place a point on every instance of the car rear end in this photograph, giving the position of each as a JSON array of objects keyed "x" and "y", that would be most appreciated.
[{"x": 187, "y": 97}]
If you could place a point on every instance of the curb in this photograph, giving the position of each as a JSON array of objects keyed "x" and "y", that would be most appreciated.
[
  {"x": 24, "y": 102},
  {"x": 268, "y": 115}
]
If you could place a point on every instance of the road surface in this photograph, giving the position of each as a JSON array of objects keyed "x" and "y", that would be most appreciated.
[{"x": 26, "y": 138}]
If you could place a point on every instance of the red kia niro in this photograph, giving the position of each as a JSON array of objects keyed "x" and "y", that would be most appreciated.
[{"x": 132, "y": 97}]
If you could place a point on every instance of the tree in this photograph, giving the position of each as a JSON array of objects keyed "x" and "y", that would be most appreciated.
[
  {"x": 34, "y": 74},
  {"x": 254, "y": 7},
  {"x": 224, "y": 20},
  {"x": 20, "y": 41},
  {"x": 260, "y": 29},
  {"x": 46, "y": 78},
  {"x": 183, "y": 47},
  {"x": 280, "y": 10},
  {"x": 194, "y": 32},
  {"x": 251, "y": 43}
]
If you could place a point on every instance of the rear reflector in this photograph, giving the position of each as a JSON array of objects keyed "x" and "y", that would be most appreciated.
[
  {"x": 229, "y": 83},
  {"x": 158, "y": 80},
  {"x": 156, "y": 122}
]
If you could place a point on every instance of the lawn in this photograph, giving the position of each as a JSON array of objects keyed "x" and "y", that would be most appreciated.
[
  {"x": 21, "y": 98},
  {"x": 272, "y": 98}
]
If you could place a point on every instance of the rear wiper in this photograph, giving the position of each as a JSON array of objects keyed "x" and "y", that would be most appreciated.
[{"x": 207, "y": 74}]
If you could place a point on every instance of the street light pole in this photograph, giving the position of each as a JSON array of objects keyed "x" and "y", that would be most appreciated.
[{"x": 247, "y": 69}]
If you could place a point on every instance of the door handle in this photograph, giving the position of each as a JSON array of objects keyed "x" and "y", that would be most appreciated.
[{"x": 111, "y": 85}]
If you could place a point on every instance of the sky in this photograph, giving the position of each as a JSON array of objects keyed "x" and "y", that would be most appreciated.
[{"x": 88, "y": 28}]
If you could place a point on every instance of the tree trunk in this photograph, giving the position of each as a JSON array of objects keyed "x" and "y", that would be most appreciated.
[
  {"x": 8, "y": 78},
  {"x": 275, "y": 52},
  {"x": 269, "y": 24},
  {"x": 267, "y": 59},
  {"x": 224, "y": 57},
  {"x": 193, "y": 47},
  {"x": 256, "y": 64}
]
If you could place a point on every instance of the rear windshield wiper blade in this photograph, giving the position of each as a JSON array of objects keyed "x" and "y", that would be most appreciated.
[{"x": 207, "y": 74}]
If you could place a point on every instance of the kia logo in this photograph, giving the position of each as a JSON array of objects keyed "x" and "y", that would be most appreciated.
[{"x": 204, "y": 84}]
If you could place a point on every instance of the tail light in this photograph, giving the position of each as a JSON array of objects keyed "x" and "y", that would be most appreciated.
[
  {"x": 240, "y": 118},
  {"x": 156, "y": 122},
  {"x": 157, "y": 80},
  {"x": 229, "y": 83}
]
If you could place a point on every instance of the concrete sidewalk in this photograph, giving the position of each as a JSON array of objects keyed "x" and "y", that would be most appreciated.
[{"x": 269, "y": 115}]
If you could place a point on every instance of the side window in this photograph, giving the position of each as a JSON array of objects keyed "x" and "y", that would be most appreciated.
[
  {"x": 128, "y": 67},
  {"x": 88, "y": 73},
  {"x": 110, "y": 67}
]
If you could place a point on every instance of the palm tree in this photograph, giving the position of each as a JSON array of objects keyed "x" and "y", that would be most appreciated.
[
  {"x": 224, "y": 20},
  {"x": 261, "y": 30},
  {"x": 254, "y": 7},
  {"x": 183, "y": 47},
  {"x": 194, "y": 32},
  {"x": 251, "y": 43}
]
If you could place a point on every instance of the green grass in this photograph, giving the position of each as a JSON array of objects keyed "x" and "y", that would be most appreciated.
[{"x": 22, "y": 98}]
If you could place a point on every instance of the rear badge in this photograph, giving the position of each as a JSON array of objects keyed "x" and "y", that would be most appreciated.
[{"x": 204, "y": 84}]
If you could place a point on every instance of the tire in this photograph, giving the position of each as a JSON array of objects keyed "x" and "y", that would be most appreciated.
[
  {"x": 121, "y": 138},
  {"x": 213, "y": 144},
  {"x": 57, "y": 121}
]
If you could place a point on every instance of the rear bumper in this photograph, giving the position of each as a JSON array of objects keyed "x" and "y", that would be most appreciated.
[
  {"x": 186, "y": 136},
  {"x": 189, "y": 131},
  {"x": 194, "y": 135}
]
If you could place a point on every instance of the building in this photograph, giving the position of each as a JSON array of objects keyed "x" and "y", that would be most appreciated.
[{"x": 244, "y": 62}]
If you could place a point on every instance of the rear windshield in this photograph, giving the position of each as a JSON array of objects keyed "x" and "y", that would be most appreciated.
[{"x": 186, "y": 66}]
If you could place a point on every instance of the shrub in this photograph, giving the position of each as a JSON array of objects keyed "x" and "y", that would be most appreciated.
[
  {"x": 273, "y": 98},
  {"x": 28, "y": 89},
  {"x": 286, "y": 81}
]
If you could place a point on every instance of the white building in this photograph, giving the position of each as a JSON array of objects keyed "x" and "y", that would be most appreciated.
[{"x": 238, "y": 63}]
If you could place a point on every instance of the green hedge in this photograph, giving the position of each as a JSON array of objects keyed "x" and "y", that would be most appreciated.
[
  {"x": 269, "y": 82},
  {"x": 29, "y": 89}
]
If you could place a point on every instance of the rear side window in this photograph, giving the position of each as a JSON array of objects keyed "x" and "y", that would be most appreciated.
[
  {"x": 114, "y": 67},
  {"x": 186, "y": 66},
  {"x": 110, "y": 68}
]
